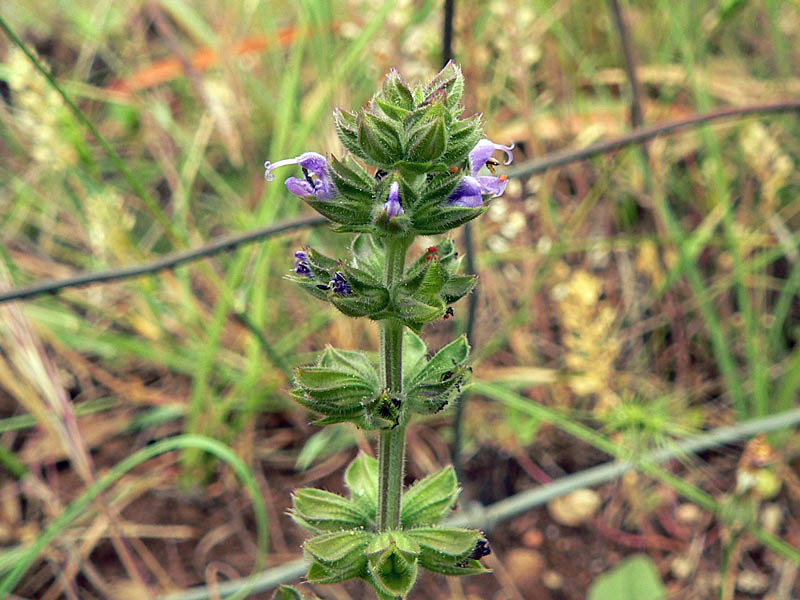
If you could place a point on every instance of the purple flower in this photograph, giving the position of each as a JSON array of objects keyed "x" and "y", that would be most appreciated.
[
  {"x": 316, "y": 180},
  {"x": 301, "y": 266},
  {"x": 467, "y": 193},
  {"x": 392, "y": 205},
  {"x": 339, "y": 285},
  {"x": 481, "y": 156}
]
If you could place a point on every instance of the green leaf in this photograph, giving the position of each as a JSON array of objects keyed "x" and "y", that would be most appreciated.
[
  {"x": 361, "y": 478},
  {"x": 430, "y": 499},
  {"x": 352, "y": 180},
  {"x": 320, "y": 574},
  {"x": 450, "y": 567},
  {"x": 378, "y": 139},
  {"x": 464, "y": 134},
  {"x": 396, "y": 91},
  {"x": 393, "y": 562},
  {"x": 441, "y": 218},
  {"x": 368, "y": 303},
  {"x": 635, "y": 578},
  {"x": 350, "y": 361},
  {"x": 452, "y": 355},
  {"x": 325, "y": 511},
  {"x": 340, "y": 549},
  {"x": 328, "y": 379},
  {"x": 458, "y": 286},
  {"x": 368, "y": 253},
  {"x": 445, "y": 542},
  {"x": 347, "y": 130},
  {"x": 287, "y": 592},
  {"x": 447, "y": 84},
  {"x": 427, "y": 141},
  {"x": 342, "y": 210},
  {"x": 414, "y": 350}
]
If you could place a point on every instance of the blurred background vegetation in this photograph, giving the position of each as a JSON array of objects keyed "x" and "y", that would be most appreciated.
[{"x": 648, "y": 294}]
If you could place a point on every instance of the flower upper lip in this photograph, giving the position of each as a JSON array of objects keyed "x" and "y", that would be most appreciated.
[{"x": 316, "y": 179}]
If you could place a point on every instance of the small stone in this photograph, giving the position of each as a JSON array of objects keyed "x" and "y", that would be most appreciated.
[
  {"x": 524, "y": 566},
  {"x": 532, "y": 538},
  {"x": 681, "y": 567},
  {"x": 771, "y": 517},
  {"x": 752, "y": 582},
  {"x": 552, "y": 580},
  {"x": 574, "y": 508},
  {"x": 688, "y": 514}
]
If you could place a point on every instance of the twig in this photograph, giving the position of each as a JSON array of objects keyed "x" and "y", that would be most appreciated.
[{"x": 222, "y": 244}]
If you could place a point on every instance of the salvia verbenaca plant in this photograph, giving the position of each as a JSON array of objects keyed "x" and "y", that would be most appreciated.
[{"x": 424, "y": 175}]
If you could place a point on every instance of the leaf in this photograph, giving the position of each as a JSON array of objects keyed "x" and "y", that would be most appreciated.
[
  {"x": 414, "y": 350},
  {"x": 427, "y": 141},
  {"x": 450, "y": 567},
  {"x": 332, "y": 379},
  {"x": 445, "y": 360},
  {"x": 340, "y": 549},
  {"x": 635, "y": 578},
  {"x": 445, "y": 542},
  {"x": 318, "y": 573},
  {"x": 287, "y": 592},
  {"x": 443, "y": 217},
  {"x": 430, "y": 499},
  {"x": 361, "y": 478},
  {"x": 393, "y": 562},
  {"x": 326, "y": 511},
  {"x": 368, "y": 254},
  {"x": 350, "y": 361}
]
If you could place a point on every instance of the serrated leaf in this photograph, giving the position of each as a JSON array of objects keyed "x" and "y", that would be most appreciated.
[
  {"x": 464, "y": 135},
  {"x": 451, "y": 568},
  {"x": 341, "y": 210},
  {"x": 431, "y": 282},
  {"x": 458, "y": 286},
  {"x": 368, "y": 254},
  {"x": 326, "y": 511},
  {"x": 381, "y": 147},
  {"x": 430, "y": 499},
  {"x": 352, "y": 361},
  {"x": 368, "y": 303},
  {"x": 347, "y": 130},
  {"x": 396, "y": 91},
  {"x": 437, "y": 190},
  {"x": 445, "y": 542},
  {"x": 287, "y": 592},
  {"x": 352, "y": 180},
  {"x": 447, "y": 83},
  {"x": 361, "y": 478},
  {"x": 441, "y": 218},
  {"x": 393, "y": 562},
  {"x": 323, "y": 379},
  {"x": 427, "y": 141},
  {"x": 391, "y": 110},
  {"x": 414, "y": 350},
  {"x": 445, "y": 360},
  {"x": 340, "y": 549},
  {"x": 320, "y": 574},
  {"x": 414, "y": 312}
]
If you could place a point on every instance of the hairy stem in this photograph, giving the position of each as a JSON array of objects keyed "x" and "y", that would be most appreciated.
[{"x": 392, "y": 442}]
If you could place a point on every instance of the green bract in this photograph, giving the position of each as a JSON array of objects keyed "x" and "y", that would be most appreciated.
[{"x": 413, "y": 167}]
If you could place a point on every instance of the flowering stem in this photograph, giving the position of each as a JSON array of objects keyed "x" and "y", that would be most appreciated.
[{"x": 392, "y": 442}]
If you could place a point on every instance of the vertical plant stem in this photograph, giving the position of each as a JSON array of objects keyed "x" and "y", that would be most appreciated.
[{"x": 392, "y": 442}]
